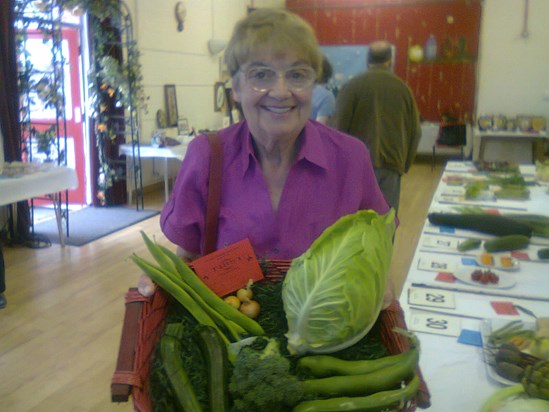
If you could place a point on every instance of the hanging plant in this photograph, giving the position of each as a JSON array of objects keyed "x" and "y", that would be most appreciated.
[
  {"x": 112, "y": 85},
  {"x": 45, "y": 141}
]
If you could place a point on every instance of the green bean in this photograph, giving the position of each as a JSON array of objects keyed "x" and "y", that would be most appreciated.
[
  {"x": 229, "y": 312},
  {"x": 178, "y": 293}
]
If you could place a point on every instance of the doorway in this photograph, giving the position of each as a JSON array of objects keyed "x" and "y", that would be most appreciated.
[{"x": 56, "y": 92}]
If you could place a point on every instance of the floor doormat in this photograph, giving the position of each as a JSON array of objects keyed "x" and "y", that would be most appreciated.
[{"x": 92, "y": 223}]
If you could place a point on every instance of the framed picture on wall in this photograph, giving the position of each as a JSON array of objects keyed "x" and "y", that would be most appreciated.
[
  {"x": 171, "y": 105},
  {"x": 219, "y": 96},
  {"x": 183, "y": 126}
]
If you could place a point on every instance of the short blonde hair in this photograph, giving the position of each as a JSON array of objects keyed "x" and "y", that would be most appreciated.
[{"x": 277, "y": 30}]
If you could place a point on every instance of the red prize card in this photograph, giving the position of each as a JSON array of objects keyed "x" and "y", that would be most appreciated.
[
  {"x": 227, "y": 270},
  {"x": 504, "y": 308},
  {"x": 445, "y": 277}
]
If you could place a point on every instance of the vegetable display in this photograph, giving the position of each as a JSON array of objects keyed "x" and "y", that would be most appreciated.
[
  {"x": 213, "y": 357},
  {"x": 536, "y": 380},
  {"x": 333, "y": 293}
]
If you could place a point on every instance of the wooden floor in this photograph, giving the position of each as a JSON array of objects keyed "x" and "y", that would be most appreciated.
[{"x": 60, "y": 332}]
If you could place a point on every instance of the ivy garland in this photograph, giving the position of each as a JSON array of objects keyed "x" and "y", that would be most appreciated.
[{"x": 108, "y": 79}]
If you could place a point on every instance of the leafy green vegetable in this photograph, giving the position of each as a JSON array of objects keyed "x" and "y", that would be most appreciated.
[
  {"x": 333, "y": 293},
  {"x": 478, "y": 190}
]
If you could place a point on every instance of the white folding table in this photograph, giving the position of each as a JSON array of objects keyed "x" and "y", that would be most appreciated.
[
  {"x": 21, "y": 181},
  {"x": 165, "y": 152}
]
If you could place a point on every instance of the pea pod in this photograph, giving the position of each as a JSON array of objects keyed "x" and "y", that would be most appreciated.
[
  {"x": 378, "y": 401},
  {"x": 324, "y": 365},
  {"x": 352, "y": 385}
]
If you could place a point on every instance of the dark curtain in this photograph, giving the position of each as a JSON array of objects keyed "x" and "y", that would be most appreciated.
[{"x": 9, "y": 106}]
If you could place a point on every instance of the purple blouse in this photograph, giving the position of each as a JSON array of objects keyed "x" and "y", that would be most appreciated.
[{"x": 331, "y": 177}]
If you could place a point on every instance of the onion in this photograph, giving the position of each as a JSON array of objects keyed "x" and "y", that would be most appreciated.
[
  {"x": 250, "y": 308},
  {"x": 233, "y": 301},
  {"x": 246, "y": 293}
]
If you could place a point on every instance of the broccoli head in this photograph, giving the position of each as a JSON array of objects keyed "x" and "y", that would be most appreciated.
[{"x": 261, "y": 379}]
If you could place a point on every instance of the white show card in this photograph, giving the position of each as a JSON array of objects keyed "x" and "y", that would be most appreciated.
[
  {"x": 437, "y": 242},
  {"x": 435, "y": 323},
  {"x": 435, "y": 265},
  {"x": 431, "y": 297},
  {"x": 453, "y": 191}
]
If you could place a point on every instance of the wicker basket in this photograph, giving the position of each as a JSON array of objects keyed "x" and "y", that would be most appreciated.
[{"x": 143, "y": 325}]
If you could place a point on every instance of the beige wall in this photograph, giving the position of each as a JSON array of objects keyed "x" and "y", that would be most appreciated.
[
  {"x": 182, "y": 58},
  {"x": 513, "y": 70}
]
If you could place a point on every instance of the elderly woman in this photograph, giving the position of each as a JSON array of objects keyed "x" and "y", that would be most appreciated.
[{"x": 284, "y": 178}]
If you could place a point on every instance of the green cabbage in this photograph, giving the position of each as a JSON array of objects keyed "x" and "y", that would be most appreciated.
[{"x": 333, "y": 292}]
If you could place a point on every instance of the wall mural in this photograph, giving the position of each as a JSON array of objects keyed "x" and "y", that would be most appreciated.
[{"x": 347, "y": 62}]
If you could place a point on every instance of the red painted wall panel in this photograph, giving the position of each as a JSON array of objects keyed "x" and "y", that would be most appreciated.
[{"x": 447, "y": 85}]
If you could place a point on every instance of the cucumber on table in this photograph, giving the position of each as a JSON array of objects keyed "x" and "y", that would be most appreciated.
[
  {"x": 543, "y": 254},
  {"x": 484, "y": 223},
  {"x": 507, "y": 243}
]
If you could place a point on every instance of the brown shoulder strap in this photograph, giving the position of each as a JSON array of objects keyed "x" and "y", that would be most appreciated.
[{"x": 214, "y": 194}]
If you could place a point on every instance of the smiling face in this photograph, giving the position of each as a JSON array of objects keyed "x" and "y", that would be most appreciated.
[{"x": 278, "y": 114}]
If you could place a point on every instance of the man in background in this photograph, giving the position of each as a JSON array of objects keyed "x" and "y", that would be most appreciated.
[{"x": 380, "y": 109}]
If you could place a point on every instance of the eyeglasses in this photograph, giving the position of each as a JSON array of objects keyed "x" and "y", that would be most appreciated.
[{"x": 263, "y": 78}]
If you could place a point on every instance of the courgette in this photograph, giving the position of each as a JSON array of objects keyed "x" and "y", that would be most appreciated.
[
  {"x": 215, "y": 354},
  {"x": 543, "y": 254},
  {"x": 468, "y": 244},
  {"x": 506, "y": 243},
  {"x": 484, "y": 223},
  {"x": 170, "y": 352}
]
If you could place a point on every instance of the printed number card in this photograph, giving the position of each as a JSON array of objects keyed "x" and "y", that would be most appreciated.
[
  {"x": 440, "y": 243},
  {"x": 433, "y": 298},
  {"x": 435, "y": 265},
  {"x": 435, "y": 323},
  {"x": 227, "y": 270}
]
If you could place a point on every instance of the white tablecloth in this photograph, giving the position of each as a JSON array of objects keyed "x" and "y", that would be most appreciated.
[
  {"x": 33, "y": 181},
  {"x": 455, "y": 373}
]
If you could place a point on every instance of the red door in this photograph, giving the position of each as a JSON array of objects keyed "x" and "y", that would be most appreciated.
[{"x": 44, "y": 116}]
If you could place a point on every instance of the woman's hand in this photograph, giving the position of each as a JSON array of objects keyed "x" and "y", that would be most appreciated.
[{"x": 145, "y": 286}]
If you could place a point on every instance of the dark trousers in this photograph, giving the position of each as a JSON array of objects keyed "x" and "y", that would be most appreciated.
[
  {"x": 389, "y": 183},
  {"x": 2, "y": 272}
]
